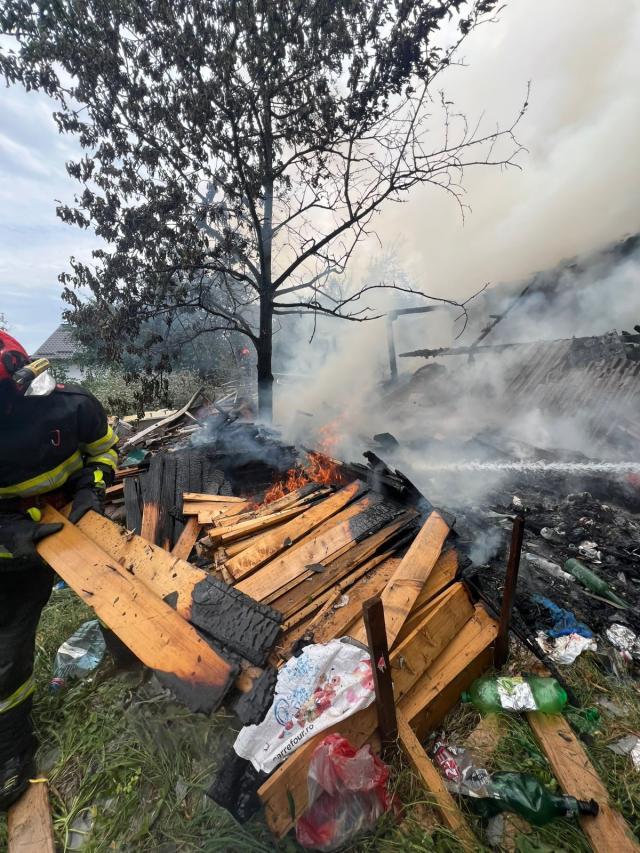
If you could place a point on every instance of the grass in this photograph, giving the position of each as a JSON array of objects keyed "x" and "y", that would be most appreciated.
[{"x": 129, "y": 768}]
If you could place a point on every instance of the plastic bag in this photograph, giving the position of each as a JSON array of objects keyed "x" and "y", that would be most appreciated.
[
  {"x": 79, "y": 655},
  {"x": 347, "y": 794}
]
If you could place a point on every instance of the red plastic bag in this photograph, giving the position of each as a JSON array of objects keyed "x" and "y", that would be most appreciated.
[{"x": 347, "y": 794}]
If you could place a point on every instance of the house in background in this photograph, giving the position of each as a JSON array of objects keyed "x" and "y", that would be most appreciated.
[{"x": 62, "y": 350}]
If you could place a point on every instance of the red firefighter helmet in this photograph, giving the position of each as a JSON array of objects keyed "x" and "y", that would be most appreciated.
[{"x": 13, "y": 356}]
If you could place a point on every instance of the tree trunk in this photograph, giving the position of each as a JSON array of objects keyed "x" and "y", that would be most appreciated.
[{"x": 264, "y": 350}]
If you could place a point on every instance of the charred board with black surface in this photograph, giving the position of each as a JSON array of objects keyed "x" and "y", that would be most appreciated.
[
  {"x": 231, "y": 618},
  {"x": 182, "y": 660}
]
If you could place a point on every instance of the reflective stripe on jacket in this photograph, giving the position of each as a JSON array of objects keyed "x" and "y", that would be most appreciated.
[{"x": 47, "y": 441}]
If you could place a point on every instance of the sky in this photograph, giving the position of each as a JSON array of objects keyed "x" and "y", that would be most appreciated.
[{"x": 579, "y": 186}]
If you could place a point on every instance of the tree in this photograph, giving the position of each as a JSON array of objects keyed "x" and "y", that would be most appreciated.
[
  {"x": 4, "y": 325},
  {"x": 237, "y": 152}
]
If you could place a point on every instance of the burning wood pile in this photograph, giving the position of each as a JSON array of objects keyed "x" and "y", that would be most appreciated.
[{"x": 238, "y": 556}]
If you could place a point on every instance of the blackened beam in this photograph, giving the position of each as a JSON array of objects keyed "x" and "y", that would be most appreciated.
[{"x": 471, "y": 350}]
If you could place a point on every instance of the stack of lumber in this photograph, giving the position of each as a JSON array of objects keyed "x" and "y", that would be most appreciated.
[{"x": 246, "y": 583}]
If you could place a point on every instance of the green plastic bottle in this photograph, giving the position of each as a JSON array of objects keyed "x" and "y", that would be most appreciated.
[
  {"x": 523, "y": 794},
  {"x": 592, "y": 581},
  {"x": 499, "y": 695}
]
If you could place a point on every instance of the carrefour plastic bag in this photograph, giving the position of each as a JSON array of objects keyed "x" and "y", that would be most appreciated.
[{"x": 348, "y": 792}]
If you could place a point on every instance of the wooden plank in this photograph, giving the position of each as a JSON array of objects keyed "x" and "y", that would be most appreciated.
[
  {"x": 199, "y": 497},
  {"x": 132, "y": 505},
  {"x": 411, "y": 575},
  {"x": 577, "y": 777},
  {"x": 443, "y": 573},
  {"x": 164, "y": 573},
  {"x": 286, "y": 788},
  {"x": 453, "y": 672},
  {"x": 330, "y": 596},
  {"x": 212, "y": 512},
  {"x": 152, "y": 499},
  {"x": 168, "y": 502},
  {"x": 501, "y": 650},
  {"x": 234, "y": 620},
  {"x": 140, "y": 436},
  {"x": 336, "y": 622},
  {"x": 29, "y": 823},
  {"x": 373, "y": 618},
  {"x": 223, "y": 535},
  {"x": 433, "y": 782},
  {"x": 149, "y": 627},
  {"x": 272, "y": 577},
  {"x": 115, "y": 491},
  {"x": 188, "y": 537},
  {"x": 307, "y": 585},
  {"x": 279, "y": 540}
]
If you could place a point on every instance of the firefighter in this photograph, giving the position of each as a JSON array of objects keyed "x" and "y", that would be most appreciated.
[{"x": 55, "y": 442}]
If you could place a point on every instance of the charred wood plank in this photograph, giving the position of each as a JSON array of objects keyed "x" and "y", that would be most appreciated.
[
  {"x": 222, "y": 612},
  {"x": 152, "y": 499},
  {"x": 282, "y": 538},
  {"x": 153, "y": 631},
  {"x": 132, "y": 504}
]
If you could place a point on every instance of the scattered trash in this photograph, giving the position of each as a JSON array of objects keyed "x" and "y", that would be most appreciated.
[
  {"x": 564, "y": 620},
  {"x": 348, "y": 793},
  {"x": 492, "y": 695},
  {"x": 550, "y": 568},
  {"x": 629, "y": 745},
  {"x": 315, "y": 690},
  {"x": 612, "y": 707},
  {"x": 567, "y": 648},
  {"x": 79, "y": 655},
  {"x": 592, "y": 581},
  {"x": 80, "y": 829},
  {"x": 134, "y": 457},
  {"x": 585, "y": 721},
  {"x": 624, "y": 640},
  {"x": 492, "y": 793},
  {"x": 341, "y": 602},
  {"x": 589, "y": 550}
]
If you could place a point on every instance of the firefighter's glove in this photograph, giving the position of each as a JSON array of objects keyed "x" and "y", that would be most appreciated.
[
  {"x": 90, "y": 495},
  {"x": 19, "y": 535}
]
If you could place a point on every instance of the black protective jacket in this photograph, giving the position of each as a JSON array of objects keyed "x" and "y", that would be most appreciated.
[{"x": 46, "y": 442}]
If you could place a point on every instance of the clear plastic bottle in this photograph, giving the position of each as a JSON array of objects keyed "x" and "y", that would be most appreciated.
[
  {"x": 495, "y": 695},
  {"x": 523, "y": 794},
  {"x": 79, "y": 655}
]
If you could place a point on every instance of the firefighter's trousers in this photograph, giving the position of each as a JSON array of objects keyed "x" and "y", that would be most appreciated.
[{"x": 23, "y": 594}]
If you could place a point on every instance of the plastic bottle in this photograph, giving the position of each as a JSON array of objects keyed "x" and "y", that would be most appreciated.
[
  {"x": 523, "y": 794},
  {"x": 550, "y": 568},
  {"x": 79, "y": 655},
  {"x": 493, "y": 695},
  {"x": 592, "y": 581}
]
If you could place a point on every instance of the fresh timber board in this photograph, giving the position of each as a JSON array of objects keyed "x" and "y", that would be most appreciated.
[{"x": 147, "y": 625}]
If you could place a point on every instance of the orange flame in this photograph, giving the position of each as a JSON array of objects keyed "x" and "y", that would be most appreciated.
[{"x": 319, "y": 467}]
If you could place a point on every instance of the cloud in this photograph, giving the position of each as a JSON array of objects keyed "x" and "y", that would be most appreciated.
[{"x": 35, "y": 245}]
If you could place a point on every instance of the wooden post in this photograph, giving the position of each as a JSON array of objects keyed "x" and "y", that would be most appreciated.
[
  {"x": 501, "y": 651},
  {"x": 373, "y": 617},
  {"x": 29, "y": 822}
]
